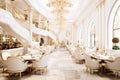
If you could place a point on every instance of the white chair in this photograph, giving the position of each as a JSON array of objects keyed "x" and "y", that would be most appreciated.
[
  {"x": 41, "y": 65},
  {"x": 15, "y": 65},
  {"x": 5, "y": 55},
  {"x": 88, "y": 50},
  {"x": 2, "y": 62},
  {"x": 79, "y": 57},
  {"x": 91, "y": 63},
  {"x": 114, "y": 66}
]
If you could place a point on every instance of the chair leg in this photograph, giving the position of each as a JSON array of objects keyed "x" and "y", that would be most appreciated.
[
  {"x": 91, "y": 71},
  {"x": 116, "y": 74},
  {"x": 3, "y": 69},
  {"x": 41, "y": 71},
  {"x": 9, "y": 74},
  {"x": 20, "y": 74},
  {"x": 87, "y": 69}
]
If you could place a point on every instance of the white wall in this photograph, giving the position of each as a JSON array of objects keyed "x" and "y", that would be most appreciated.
[
  {"x": 80, "y": 30},
  {"x": 100, "y": 15}
]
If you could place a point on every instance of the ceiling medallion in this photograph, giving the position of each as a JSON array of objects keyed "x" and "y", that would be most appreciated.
[{"x": 59, "y": 9}]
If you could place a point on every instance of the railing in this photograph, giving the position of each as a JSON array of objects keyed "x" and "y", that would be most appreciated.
[{"x": 14, "y": 51}]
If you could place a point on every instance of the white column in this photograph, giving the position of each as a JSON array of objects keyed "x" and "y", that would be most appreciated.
[
  {"x": 72, "y": 35},
  {"x": 39, "y": 25},
  {"x": 30, "y": 24},
  {"x": 102, "y": 34},
  {"x": 6, "y": 4},
  {"x": 104, "y": 27},
  {"x": 39, "y": 20},
  {"x": 98, "y": 29}
]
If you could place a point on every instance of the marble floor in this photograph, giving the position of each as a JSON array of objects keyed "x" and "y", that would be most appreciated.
[{"x": 61, "y": 67}]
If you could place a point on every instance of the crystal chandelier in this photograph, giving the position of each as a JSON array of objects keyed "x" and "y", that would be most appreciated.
[
  {"x": 58, "y": 3},
  {"x": 59, "y": 9}
]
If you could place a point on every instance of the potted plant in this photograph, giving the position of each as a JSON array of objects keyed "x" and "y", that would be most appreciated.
[{"x": 115, "y": 40}]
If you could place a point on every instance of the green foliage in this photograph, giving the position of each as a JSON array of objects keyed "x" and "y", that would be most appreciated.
[{"x": 115, "y": 47}]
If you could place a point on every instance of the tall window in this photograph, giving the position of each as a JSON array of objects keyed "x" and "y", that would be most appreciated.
[
  {"x": 92, "y": 42},
  {"x": 92, "y": 35},
  {"x": 116, "y": 27}
]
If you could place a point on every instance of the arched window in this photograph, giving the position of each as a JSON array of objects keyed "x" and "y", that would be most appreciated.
[
  {"x": 116, "y": 27},
  {"x": 92, "y": 36},
  {"x": 114, "y": 23},
  {"x": 91, "y": 32}
]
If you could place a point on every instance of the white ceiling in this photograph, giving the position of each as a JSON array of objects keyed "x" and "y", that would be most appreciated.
[
  {"x": 79, "y": 7},
  {"x": 74, "y": 11}
]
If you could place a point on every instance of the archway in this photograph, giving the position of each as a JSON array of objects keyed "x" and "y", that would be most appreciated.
[
  {"x": 111, "y": 23},
  {"x": 91, "y": 34}
]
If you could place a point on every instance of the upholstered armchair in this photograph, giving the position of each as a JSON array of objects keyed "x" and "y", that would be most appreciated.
[
  {"x": 41, "y": 65},
  {"x": 91, "y": 63},
  {"x": 114, "y": 66},
  {"x": 2, "y": 62},
  {"x": 15, "y": 65},
  {"x": 78, "y": 56}
]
